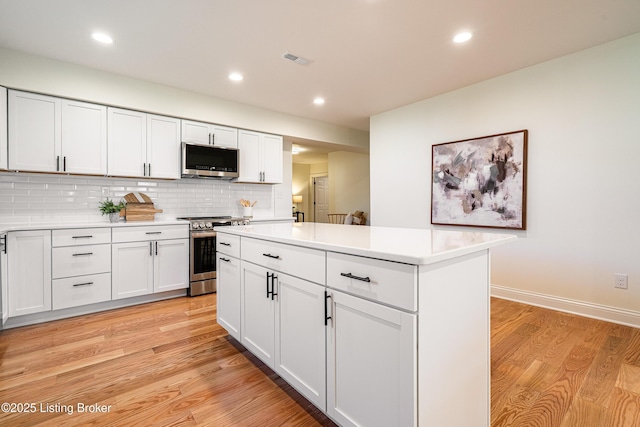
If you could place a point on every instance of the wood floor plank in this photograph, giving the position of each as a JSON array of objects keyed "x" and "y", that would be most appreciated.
[{"x": 170, "y": 364}]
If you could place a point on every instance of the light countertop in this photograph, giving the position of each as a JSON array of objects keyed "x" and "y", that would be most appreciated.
[
  {"x": 406, "y": 245},
  {"x": 97, "y": 224},
  {"x": 90, "y": 224}
]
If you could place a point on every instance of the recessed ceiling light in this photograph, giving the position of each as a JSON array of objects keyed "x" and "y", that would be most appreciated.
[
  {"x": 462, "y": 37},
  {"x": 318, "y": 101},
  {"x": 236, "y": 77},
  {"x": 102, "y": 38}
]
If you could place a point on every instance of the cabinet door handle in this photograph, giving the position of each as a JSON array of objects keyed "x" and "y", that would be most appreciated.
[
  {"x": 273, "y": 286},
  {"x": 150, "y": 248},
  {"x": 83, "y": 254},
  {"x": 82, "y": 237},
  {"x": 225, "y": 259},
  {"x": 149, "y": 169},
  {"x": 64, "y": 163},
  {"x": 272, "y": 256},
  {"x": 153, "y": 232},
  {"x": 4, "y": 243},
  {"x": 57, "y": 163},
  {"x": 225, "y": 244},
  {"x": 268, "y": 277},
  {"x": 83, "y": 284},
  {"x": 156, "y": 248},
  {"x": 326, "y": 309},
  {"x": 351, "y": 276},
  {"x": 213, "y": 138},
  {"x": 144, "y": 169}
]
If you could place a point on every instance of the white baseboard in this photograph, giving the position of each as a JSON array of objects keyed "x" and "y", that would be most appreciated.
[{"x": 595, "y": 311}]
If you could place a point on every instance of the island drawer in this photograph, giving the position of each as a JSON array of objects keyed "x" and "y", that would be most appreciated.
[
  {"x": 305, "y": 263},
  {"x": 150, "y": 232},
  {"x": 77, "y": 291},
  {"x": 228, "y": 244},
  {"x": 391, "y": 283},
  {"x": 81, "y": 236},
  {"x": 79, "y": 260}
]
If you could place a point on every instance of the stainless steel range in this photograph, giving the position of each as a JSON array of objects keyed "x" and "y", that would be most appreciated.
[{"x": 202, "y": 251}]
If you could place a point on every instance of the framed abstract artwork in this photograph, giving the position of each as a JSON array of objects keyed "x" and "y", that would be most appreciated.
[{"x": 481, "y": 182}]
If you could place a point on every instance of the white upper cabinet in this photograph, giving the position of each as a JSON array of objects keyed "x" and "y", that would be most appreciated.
[
  {"x": 143, "y": 145},
  {"x": 84, "y": 138},
  {"x": 48, "y": 134},
  {"x": 209, "y": 134},
  {"x": 35, "y": 134},
  {"x": 163, "y": 147},
  {"x": 127, "y": 142},
  {"x": 260, "y": 157},
  {"x": 3, "y": 128}
]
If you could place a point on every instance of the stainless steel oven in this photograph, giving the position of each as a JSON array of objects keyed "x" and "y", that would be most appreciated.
[{"x": 202, "y": 251}]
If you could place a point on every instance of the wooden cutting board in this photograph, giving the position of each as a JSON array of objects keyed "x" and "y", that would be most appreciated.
[{"x": 139, "y": 208}]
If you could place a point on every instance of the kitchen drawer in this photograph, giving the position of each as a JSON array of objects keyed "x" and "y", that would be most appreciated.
[
  {"x": 76, "y": 291},
  {"x": 81, "y": 236},
  {"x": 150, "y": 232},
  {"x": 305, "y": 263},
  {"x": 80, "y": 260},
  {"x": 388, "y": 282},
  {"x": 228, "y": 244}
]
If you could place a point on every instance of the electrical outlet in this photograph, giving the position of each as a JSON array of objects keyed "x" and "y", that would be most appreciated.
[{"x": 621, "y": 281}]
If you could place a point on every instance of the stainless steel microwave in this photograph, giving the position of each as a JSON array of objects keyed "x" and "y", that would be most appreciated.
[{"x": 208, "y": 161}]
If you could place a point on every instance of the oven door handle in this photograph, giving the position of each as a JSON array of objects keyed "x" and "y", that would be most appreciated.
[{"x": 198, "y": 234}]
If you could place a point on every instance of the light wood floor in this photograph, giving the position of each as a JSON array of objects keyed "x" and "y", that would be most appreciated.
[{"x": 169, "y": 363}]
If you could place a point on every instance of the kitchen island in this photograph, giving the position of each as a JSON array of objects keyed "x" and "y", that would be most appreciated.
[{"x": 375, "y": 326}]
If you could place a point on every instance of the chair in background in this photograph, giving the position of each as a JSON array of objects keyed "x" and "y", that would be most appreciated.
[{"x": 337, "y": 218}]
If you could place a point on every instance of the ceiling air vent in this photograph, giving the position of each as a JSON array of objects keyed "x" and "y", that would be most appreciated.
[{"x": 295, "y": 58}]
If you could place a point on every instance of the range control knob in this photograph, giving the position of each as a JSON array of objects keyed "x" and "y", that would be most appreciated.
[
  {"x": 195, "y": 225},
  {"x": 208, "y": 225}
]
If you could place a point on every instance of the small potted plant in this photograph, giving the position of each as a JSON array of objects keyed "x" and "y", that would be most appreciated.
[{"x": 108, "y": 207}]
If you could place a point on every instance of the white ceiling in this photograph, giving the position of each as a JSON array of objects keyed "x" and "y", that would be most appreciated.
[{"x": 368, "y": 56}]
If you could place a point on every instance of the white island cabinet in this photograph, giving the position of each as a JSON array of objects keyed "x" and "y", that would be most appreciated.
[{"x": 393, "y": 322}]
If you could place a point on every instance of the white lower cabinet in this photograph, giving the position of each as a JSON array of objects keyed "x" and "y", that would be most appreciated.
[
  {"x": 258, "y": 312},
  {"x": 171, "y": 265},
  {"x": 228, "y": 289},
  {"x": 81, "y": 271},
  {"x": 300, "y": 337},
  {"x": 156, "y": 262},
  {"x": 29, "y": 271},
  {"x": 283, "y": 324},
  {"x": 371, "y": 363},
  {"x": 132, "y": 269},
  {"x": 82, "y": 290},
  {"x": 4, "y": 278}
]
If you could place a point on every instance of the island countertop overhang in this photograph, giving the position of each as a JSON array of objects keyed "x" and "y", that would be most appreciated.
[{"x": 405, "y": 245}]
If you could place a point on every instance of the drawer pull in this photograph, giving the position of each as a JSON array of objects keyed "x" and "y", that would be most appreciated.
[
  {"x": 225, "y": 259},
  {"x": 83, "y": 254},
  {"x": 351, "y": 276},
  {"x": 272, "y": 256},
  {"x": 153, "y": 232},
  {"x": 225, "y": 244},
  {"x": 81, "y": 237},
  {"x": 82, "y": 284}
]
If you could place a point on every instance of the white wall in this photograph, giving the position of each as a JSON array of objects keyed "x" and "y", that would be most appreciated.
[
  {"x": 582, "y": 112},
  {"x": 349, "y": 181}
]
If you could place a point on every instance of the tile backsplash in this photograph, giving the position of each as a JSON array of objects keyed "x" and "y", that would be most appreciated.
[{"x": 49, "y": 198}]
